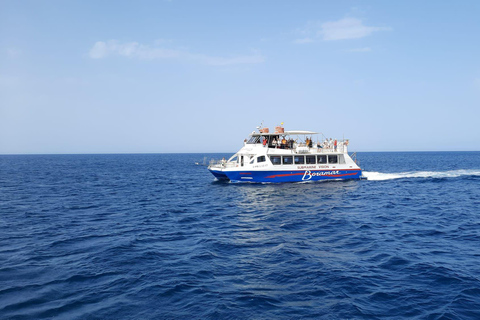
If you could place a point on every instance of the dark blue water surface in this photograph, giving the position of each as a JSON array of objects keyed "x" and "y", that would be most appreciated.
[{"x": 156, "y": 237}]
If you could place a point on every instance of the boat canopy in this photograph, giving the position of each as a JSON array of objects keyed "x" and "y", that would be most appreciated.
[{"x": 286, "y": 133}]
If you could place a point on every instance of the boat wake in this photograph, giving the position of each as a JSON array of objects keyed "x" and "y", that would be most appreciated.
[{"x": 379, "y": 176}]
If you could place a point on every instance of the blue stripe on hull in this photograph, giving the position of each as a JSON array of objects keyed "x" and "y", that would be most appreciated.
[{"x": 291, "y": 176}]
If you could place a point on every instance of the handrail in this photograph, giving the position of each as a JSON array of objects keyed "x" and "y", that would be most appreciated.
[
  {"x": 221, "y": 164},
  {"x": 341, "y": 147}
]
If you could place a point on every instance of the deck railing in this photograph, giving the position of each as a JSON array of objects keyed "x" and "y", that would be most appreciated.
[
  {"x": 222, "y": 164},
  {"x": 302, "y": 148}
]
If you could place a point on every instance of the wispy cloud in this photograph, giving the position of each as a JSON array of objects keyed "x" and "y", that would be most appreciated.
[
  {"x": 136, "y": 50},
  {"x": 346, "y": 28},
  {"x": 13, "y": 52},
  {"x": 366, "y": 49}
]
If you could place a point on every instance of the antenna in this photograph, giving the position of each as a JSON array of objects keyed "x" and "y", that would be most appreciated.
[{"x": 260, "y": 126}]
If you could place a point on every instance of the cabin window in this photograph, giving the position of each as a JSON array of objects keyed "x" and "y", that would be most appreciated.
[
  {"x": 299, "y": 159},
  {"x": 322, "y": 159},
  {"x": 287, "y": 159},
  {"x": 332, "y": 158},
  {"x": 276, "y": 160},
  {"x": 341, "y": 159},
  {"x": 310, "y": 159},
  {"x": 260, "y": 159},
  {"x": 254, "y": 140}
]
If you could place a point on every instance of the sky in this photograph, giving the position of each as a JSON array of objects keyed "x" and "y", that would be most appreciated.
[{"x": 198, "y": 76}]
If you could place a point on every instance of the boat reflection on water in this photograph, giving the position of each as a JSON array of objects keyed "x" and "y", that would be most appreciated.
[
  {"x": 283, "y": 223},
  {"x": 309, "y": 197}
]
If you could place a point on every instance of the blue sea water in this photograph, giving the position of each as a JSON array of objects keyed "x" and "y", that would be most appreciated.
[{"x": 154, "y": 236}]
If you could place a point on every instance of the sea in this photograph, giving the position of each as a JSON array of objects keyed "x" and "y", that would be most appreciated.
[{"x": 155, "y": 236}]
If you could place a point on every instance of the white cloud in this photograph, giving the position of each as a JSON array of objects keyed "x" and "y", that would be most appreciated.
[
  {"x": 13, "y": 52},
  {"x": 346, "y": 28},
  {"x": 366, "y": 49},
  {"x": 222, "y": 61},
  {"x": 99, "y": 50},
  {"x": 144, "y": 52}
]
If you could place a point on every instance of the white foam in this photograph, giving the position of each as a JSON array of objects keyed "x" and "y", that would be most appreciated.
[{"x": 378, "y": 176}]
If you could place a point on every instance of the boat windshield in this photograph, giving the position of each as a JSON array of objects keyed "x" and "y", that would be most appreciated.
[{"x": 254, "y": 140}]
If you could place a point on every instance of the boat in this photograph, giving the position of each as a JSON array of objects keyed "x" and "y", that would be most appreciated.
[{"x": 288, "y": 156}]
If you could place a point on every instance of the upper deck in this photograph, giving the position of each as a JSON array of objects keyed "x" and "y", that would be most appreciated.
[{"x": 297, "y": 142}]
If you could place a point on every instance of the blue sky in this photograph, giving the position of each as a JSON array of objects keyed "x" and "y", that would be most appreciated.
[{"x": 198, "y": 76}]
